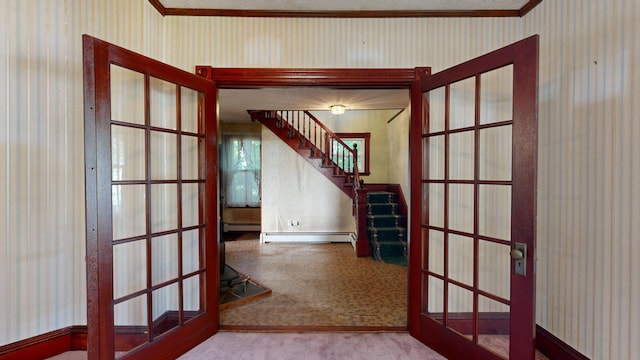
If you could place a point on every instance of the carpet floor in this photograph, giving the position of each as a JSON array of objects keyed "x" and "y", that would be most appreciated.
[
  {"x": 311, "y": 346},
  {"x": 316, "y": 285}
]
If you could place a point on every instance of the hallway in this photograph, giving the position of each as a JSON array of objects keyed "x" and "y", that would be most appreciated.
[{"x": 316, "y": 285}]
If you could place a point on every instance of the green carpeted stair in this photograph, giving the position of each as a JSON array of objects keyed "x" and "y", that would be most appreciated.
[{"x": 386, "y": 228}]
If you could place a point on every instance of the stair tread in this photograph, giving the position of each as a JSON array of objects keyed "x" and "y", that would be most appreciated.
[
  {"x": 385, "y": 215},
  {"x": 387, "y": 227},
  {"x": 392, "y": 242}
]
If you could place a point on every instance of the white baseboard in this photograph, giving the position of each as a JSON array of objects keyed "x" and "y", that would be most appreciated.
[{"x": 306, "y": 237}]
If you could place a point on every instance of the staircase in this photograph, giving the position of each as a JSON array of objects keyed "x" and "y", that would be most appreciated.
[
  {"x": 380, "y": 217},
  {"x": 318, "y": 145},
  {"x": 386, "y": 227}
]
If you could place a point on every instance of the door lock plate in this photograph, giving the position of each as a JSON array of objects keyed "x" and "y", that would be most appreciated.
[{"x": 520, "y": 264}]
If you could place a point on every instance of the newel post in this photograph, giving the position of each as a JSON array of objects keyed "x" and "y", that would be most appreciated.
[
  {"x": 362, "y": 240},
  {"x": 354, "y": 161}
]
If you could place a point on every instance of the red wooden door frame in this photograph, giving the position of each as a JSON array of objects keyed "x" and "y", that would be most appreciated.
[{"x": 524, "y": 57}]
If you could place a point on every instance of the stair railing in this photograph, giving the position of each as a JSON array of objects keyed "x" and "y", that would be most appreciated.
[
  {"x": 332, "y": 149},
  {"x": 325, "y": 144}
]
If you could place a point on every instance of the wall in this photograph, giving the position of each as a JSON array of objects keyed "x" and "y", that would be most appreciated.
[
  {"x": 588, "y": 286},
  {"x": 42, "y": 244},
  {"x": 587, "y": 195},
  {"x": 398, "y": 149},
  {"x": 292, "y": 189}
]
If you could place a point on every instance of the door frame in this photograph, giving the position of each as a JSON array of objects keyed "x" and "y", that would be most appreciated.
[{"x": 337, "y": 78}]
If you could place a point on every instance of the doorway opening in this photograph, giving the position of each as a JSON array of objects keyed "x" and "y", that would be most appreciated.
[{"x": 285, "y": 89}]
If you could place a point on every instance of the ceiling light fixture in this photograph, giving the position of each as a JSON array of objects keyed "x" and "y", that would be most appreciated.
[{"x": 337, "y": 109}]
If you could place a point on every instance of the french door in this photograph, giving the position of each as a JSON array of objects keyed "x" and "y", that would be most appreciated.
[
  {"x": 150, "y": 156},
  {"x": 472, "y": 249}
]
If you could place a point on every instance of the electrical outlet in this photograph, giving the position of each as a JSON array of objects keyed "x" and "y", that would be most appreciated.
[{"x": 293, "y": 223}]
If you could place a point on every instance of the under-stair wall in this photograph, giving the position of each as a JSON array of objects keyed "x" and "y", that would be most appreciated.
[{"x": 292, "y": 189}]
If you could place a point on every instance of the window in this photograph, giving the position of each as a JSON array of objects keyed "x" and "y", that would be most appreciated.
[
  {"x": 361, "y": 142},
  {"x": 241, "y": 170}
]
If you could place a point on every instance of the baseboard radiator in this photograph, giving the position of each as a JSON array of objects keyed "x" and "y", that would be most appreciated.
[{"x": 307, "y": 237}]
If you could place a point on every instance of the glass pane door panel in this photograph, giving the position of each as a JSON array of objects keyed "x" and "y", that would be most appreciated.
[
  {"x": 164, "y": 207},
  {"x": 460, "y": 310},
  {"x": 493, "y": 326},
  {"x": 132, "y": 312},
  {"x": 128, "y": 211},
  {"x": 495, "y": 153},
  {"x": 435, "y": 289},
  {"x": 165, "y": 309},
  {"x": 496, "y": 95},
  {"x": 164, "y": 258},
  {"x": 190, "y": 120},
  {"x": 190, "y": 251},
  {"x": 435, "y": 159},
  {"x": 461, "y": 155},
  {"x": 462, "y": 100},
  {"x": 436, "y": 252},
  {"x": 190, "y": 204},
  {"x": 461, "y": 207},
  {"x": 190, "y": 157},
  {"x": 461, "y": 259},
  {"x": 191, "y": 296},
  {"x": 494, "y": 263},
  {"x": 127, "y": 153},
  {"x": 162, "y": 103},
  {"x": 494, "y": 214},
  {"x": 127, "y": 95},
  {"x": 164, "y": 156},
  {"x": 436, "y": 204},
  {"x": 129, "y": 268},
  {"x": 437, "y": 105},
  {"x": 130, "y": 323}
]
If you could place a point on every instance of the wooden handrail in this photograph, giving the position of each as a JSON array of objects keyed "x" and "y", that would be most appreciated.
[{"x": 314, "y": 131}]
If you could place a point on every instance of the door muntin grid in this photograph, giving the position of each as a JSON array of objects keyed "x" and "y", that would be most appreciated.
[
  {"x": 466, "y": 208},
  {"x": 158, "y": 217}
]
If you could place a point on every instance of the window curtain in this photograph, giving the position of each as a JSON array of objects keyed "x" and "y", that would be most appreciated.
[{"x": 241, "y": 170}]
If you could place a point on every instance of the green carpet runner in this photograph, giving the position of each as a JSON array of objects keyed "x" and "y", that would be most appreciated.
[{"x": 386, "y": 228}]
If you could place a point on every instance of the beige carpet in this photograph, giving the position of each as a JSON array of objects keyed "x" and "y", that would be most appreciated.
[
  {"x": 311, "y": 346},
  {"x": 308, "y": 346},
  {"x": 317, "y": 285}
]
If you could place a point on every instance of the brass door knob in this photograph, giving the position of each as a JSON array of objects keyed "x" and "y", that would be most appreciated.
[{"x": 516, "y": 254}]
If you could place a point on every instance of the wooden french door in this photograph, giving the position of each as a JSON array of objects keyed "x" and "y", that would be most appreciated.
[
  {"x": 472, "y": 249},
  {"x": 151, "y": 193}
]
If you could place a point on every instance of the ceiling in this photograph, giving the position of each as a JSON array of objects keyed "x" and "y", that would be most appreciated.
[
  {"x": 234, "y": 103},
  {"x": 341, "y": 8}
]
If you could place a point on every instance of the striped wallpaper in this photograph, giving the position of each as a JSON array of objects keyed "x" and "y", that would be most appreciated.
[
  {"x": 588, "y": 133},
  {"x": 589, "y": 166}
]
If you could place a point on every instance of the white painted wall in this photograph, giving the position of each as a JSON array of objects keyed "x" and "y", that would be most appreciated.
[
  {"x": 293, "y": 190},
  {"x": 588, "y": 194},
  {"x": 398, "y": 149}
]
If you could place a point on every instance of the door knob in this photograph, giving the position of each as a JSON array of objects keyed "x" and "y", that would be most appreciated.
[{"x": 516, "y": 254}]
